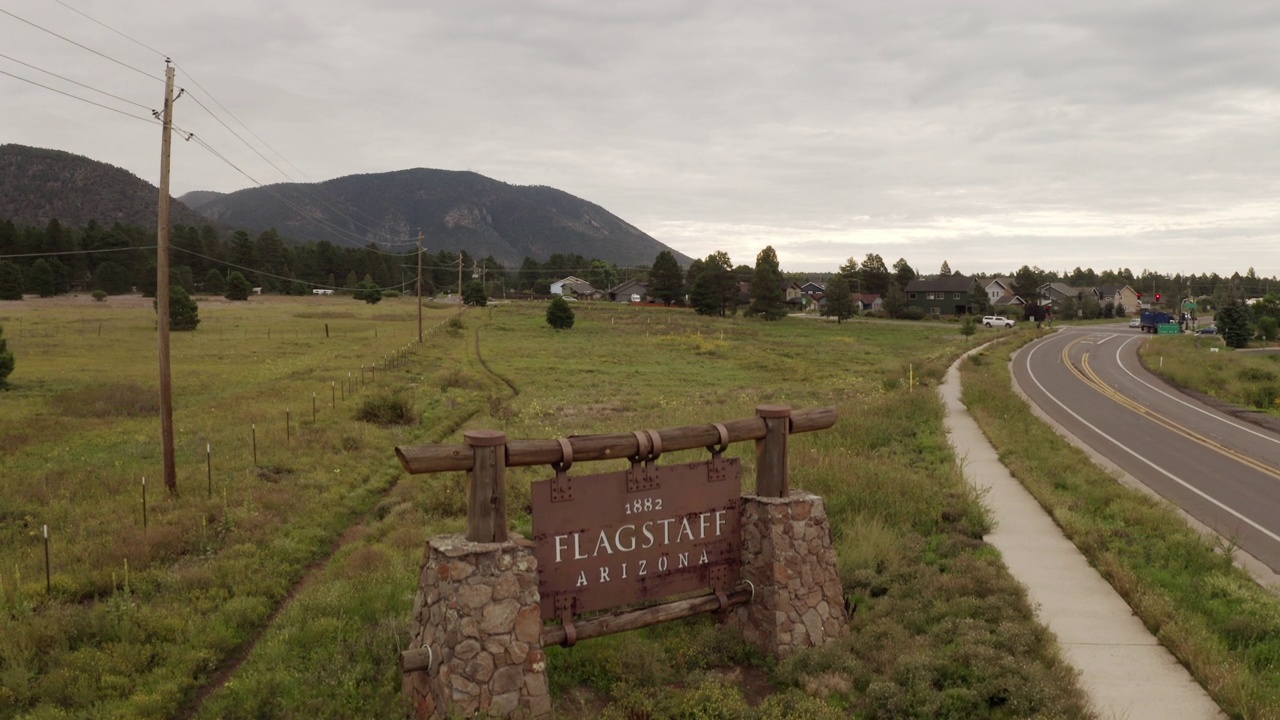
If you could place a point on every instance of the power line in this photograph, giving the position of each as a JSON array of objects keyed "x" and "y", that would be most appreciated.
[
  {"x": 79, "y": 252},
  {"x": 73, "y": 82},
  {"x": 77, "y": 97},
  {"x": 321, "y": 223},
  {"x": 121, "y": 34},
  {"x": 82, "y": 47},
  {"x": 278, "y": 277}
]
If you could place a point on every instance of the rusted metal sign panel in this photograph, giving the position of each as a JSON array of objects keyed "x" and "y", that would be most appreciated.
[{"x": 618, "y": 538}]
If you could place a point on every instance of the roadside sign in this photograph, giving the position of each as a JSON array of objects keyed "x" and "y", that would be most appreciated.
[
  {"x": 1168, "y": 329},
  {"x": 613, "y": 539}
]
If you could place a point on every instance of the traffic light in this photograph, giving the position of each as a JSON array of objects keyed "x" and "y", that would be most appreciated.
[{"x": 1157, "y": 297}]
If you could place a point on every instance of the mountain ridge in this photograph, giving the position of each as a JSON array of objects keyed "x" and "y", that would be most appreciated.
[
  {"x": 454, "y": 209},
  {"x": 40, "y": 184}
]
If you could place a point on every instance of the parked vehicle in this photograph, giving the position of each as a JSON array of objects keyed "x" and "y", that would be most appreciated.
[
  {"x": 1152, "y": 319},
  {"x": 1208, "y": 330},
  {"x": 997, "y": 320}
]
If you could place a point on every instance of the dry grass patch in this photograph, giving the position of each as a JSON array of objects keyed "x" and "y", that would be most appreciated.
[{"x": 108, "y": 401}]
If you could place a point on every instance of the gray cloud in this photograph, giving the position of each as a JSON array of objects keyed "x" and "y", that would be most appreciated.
[{"x": 989, "y": 134}]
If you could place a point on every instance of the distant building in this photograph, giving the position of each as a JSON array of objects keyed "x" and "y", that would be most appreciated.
[
  {"x": 628, "y": 291},
  {"x": 572, "y": 286},
  {"x": 948, "y": 295}
]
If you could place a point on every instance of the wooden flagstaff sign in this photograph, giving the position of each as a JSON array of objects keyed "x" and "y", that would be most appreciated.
[{"x": 618, "y": 538}]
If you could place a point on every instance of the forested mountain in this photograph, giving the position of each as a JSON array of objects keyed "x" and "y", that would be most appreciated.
[
  {"x": 454, "y": 210},
  {"x": 38, "y": 185}
]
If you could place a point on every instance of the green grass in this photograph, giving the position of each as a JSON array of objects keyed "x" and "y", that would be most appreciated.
[
  {"x": 940, "y": 629},
  {"x": 1247, "y": 379},
  {"x": 1213, "y": 617}
]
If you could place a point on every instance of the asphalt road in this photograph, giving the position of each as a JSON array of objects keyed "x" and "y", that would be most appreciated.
[{"x": 1222, "y": 471}]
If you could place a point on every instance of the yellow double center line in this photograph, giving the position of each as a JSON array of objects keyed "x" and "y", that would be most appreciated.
[{"x": 1089, "y": 377}]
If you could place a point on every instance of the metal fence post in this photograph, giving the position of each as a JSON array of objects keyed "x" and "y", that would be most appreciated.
[
  {"x": 773, "y": 474},
  {"x": 487, "y": 502}
]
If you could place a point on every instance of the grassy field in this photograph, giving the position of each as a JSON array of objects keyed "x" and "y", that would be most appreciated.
[
  {"x": 145, "y": 622},
  {"x": 1212, "y": 615},
  {"x": 1248, "y": 379}
]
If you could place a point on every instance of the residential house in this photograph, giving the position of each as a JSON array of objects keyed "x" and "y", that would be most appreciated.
[
  {"x": 1054, "y": 294},
  {"x": 572, "y": 286},
  {"x": 1120, "y": 296},
  {"x": 628, "y": 291},
  {"x": 795, "y": 296},
  {"x": 1000, "y": 294},
  {"x": 997, "y": 288},
  {"x": 869, "y": 302},
  {"x": 947, "y": 295},
  {"x": 813, "y": 294}
]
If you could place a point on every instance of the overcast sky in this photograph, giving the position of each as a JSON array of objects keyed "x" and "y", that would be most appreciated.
[{"x": 1054, "y": 133}]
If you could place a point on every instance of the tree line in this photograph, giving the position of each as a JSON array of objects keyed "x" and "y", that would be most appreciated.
[{"x": 119, "y": 259}]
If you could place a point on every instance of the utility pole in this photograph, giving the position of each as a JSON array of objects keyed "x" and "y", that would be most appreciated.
[
  {"x": 459, "y": 282},
  {"x": 419, "y": 286},
  {"x": 162, "y": 287}
]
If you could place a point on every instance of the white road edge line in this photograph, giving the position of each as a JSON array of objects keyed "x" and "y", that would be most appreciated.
[
  {"x": 1200, "y": 410},
  {"x": 1132, "y": 452}
]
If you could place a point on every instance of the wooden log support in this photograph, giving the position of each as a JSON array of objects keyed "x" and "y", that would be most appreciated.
[
  {"x": 416, "y": 659},
  {"x": 644, "y": 617},
  {"x": 418, "y": 459},
  {"x": 773, "y": 475},
  {"x": 487, "y": 502}
]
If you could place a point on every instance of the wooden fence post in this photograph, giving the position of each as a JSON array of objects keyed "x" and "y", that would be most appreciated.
[
  {"x": 487, "y": 502},
  {"x": 773, "y": 474}
]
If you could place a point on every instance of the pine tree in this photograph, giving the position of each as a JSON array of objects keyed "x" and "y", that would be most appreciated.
[
  {"x": 213, "y": 282},
  {"x": 666, "y": 281},
  {"x": 768, "y": 296},
  {"x": 184, "y": 314},
  {"x": 559, "y": 314},
  {"x": 238, "y": 288},
  {"x": 40, "y": 278},
  {"x": 1233, "y": 323},
  {"x": 840, "y": 302},
  {"x": 473, "y": 294},
  {"x": 11, "y": 286}
]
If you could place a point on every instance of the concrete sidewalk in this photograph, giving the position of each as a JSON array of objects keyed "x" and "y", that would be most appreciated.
[{"x": 1123, "y": 668}]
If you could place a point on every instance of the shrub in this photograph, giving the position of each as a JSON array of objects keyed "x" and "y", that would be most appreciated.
[
  {"x": 1268, "y": 328},
  {"x": 99, "y": 295},
  {"x": 911, "y": 312},
  {"x": 238, "y": 288},
  {"x": 368, "y": 292},
  {"x": 6, "y": 361},
  {"x": 183, "y": 311},
  {"x": 387, "y": 408},
  {"x": 390, "y": 293},
  {"x": 1264, "y": 397},
  {"x": 559, "y": 314}
]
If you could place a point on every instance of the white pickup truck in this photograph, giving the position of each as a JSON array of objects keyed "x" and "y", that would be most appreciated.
[{"x": 997, "y": 321}]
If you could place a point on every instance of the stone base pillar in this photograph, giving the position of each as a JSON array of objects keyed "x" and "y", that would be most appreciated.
[
  {"x": 787, "y": 555},
  {"x": 477, "y": 611}
]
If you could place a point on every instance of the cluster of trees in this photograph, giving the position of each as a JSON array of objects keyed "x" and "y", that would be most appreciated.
[{"x": 57, "y": 259}]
